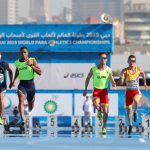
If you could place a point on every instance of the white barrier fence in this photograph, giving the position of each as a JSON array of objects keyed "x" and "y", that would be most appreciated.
[{"x": 77, "y": 120}]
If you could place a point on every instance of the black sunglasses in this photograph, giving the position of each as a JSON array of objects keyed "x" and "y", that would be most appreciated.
[
  {"x": 132, "y": 61},
  {"x": 103, "y": 58}
]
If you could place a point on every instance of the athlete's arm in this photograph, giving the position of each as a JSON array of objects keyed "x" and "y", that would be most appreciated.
[
  {"x": 35, "y": 66},
  {"x": 10, "y": 73},
  {"x": 112, "y": 79},
  {"x": 16, "y": 76},
  {"x": 143, "y": 76},
  {"x": 123, "y": 72},
  {"x": 87, "y": 81}
]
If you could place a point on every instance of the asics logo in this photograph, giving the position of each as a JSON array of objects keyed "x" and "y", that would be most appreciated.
[{"x": 74, "y": 75}]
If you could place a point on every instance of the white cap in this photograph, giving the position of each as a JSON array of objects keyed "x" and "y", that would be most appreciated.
[{"x": 87, "y": 95}]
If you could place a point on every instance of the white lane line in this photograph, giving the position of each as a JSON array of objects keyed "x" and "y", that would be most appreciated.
[
  {"x": 142, "y": 140},
  {"x": 32, "y": 142}
]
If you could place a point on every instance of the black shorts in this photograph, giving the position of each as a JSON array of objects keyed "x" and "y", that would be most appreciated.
[
  {"x": 27, "y": 87},
  {"x": 3, "y": 90}
]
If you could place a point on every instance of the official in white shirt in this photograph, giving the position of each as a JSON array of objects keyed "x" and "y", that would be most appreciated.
[{"x": 88, "y": 105}]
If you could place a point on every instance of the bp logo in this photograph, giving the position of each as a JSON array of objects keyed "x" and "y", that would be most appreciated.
[{"x": 50, "y": 107}]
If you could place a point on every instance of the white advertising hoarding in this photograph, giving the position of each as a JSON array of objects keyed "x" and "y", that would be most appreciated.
[
  {"x": 112, "y": 109},
  {"x": 10, "y": 101},
  {"x": 45, "y": 104},
  {"x": 60, "y": 76},
  {"x": 70, "y": 75}
]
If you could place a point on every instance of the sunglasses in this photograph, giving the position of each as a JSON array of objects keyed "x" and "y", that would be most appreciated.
[
  {"x": 103, "y": 58},
  {"x": 132, "y": 61}
]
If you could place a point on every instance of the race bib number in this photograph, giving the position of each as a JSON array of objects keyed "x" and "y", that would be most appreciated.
[
  {"x": 1, "y": 78},
  {"x": 132, "y": 85}
]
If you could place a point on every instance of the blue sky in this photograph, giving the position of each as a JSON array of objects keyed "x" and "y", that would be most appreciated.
[{"x": 55, "y": 7}]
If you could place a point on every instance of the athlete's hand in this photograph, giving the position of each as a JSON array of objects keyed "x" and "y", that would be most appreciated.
[
  {"x": 28, "y": 62},
  {"x": 145, "y": 86},
  {"x": 11, "y": 84},
  {"x": 114, "y": 84},
  {"x": 84, "y": 93}
]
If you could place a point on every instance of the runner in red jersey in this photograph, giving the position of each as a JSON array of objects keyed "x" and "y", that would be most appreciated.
[{"x": 133, "y": 94}]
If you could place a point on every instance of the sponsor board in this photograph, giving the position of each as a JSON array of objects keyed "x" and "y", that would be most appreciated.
[
  {"x": 112, "y": 108},
  {"x": 70, "y": 75},
  {"x": 60, "y": 76},
  {"x": 45, "y": 104},
  {"x": 10, "y": 101},
  {"x": 52, "y": 104}
]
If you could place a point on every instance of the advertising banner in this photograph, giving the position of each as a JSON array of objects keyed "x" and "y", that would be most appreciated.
[
  {"x": 57, "y": 38},
  {"x": 60, "y": 76},
  {"x": 112, "y": 108},
  {"x": 70, "y": 76},
  {"x": 10, "y": 101},
  {"x": 45, "y": 104}
]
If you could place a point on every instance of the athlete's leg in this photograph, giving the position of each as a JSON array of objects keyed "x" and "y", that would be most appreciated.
[
  {"x": 22, "y": 98},
  {"x": 129, "y": 103},
  {"x": 31, "y": 97},
  {"x": 31, "y": 105},
  {"x": 105, "y": 114},
  {"x": 96, "y": 98},
  {"x": 96, "y": 103},
  {"x": 104, "y": 103},
  {"x": 1, "y": 104},
  {"x": 90, "y": 118},
  {"x": 85, "y": 115},
  {"x": 136, "y": 100},
  {"x": 129, "y": 114}
]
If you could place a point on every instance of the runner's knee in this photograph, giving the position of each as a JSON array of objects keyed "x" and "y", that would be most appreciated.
[
  {"x": 105, "y": 108},
  {"x": 136, "y": 99},
  {"x": 129, "y": 110},
  {"x": 95, "y": 104},
  {"x": 21, "y": 101},
  {"x": 31, "y": 105}
]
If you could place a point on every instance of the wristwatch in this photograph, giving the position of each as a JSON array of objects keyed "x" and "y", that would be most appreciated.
[{"x": 31, "y": 65}]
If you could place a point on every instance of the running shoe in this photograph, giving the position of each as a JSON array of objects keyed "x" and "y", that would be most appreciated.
[
  {"x": 130, "y": 129},
  {"x": 22, "y": 124},
  {"x": 99, "y": 115},
  {"x": 1, "y": 121},
  {"x": 104, "y": 136},
  {"x": 104, "y": 130},
  {"x": 135, "y": 117}
]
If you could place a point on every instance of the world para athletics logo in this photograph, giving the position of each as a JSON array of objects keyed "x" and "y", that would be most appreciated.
[
  {"x": 50, "y": 107},
  {"x": 9, "y": 103}
]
